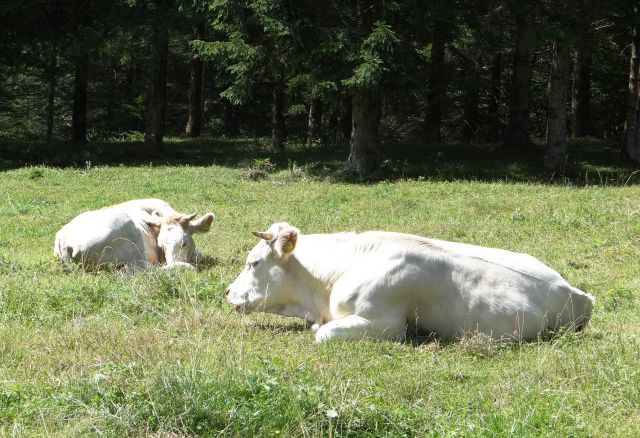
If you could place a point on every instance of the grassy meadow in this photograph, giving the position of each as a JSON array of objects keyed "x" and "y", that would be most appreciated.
[{"x": 162, "y": 354}]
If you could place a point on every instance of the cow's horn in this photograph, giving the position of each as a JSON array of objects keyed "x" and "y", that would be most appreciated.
[{"x": 263, "y": 235}]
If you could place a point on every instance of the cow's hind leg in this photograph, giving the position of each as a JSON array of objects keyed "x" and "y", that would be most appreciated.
[{"x": 354, "y": 327}]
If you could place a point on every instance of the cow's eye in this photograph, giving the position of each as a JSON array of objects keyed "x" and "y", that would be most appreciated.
[{"x": 253, "y": 264}]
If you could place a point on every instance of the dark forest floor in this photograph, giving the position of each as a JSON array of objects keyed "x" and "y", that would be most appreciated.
[{"x": 590, "y": 161}]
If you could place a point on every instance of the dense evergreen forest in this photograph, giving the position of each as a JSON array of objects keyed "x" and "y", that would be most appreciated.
[{"x": 346, "y": 74}]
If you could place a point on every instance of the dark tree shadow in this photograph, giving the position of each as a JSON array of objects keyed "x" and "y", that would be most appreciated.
[{"x": 590, "y": 161}]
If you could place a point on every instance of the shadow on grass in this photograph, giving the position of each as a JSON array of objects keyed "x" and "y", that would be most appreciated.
[
  {"x": 295, "y": 327},
  {"x": 483, "y": 346},
  {"x": 590, "y": 161},
  {"x": 206, "y": 262}
]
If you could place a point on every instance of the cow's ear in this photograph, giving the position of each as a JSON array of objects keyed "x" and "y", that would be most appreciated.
[
  {"x": 286, "y": 241},
  {"x": 202, "y": 225},
  {"x": 263, "y": 235}
]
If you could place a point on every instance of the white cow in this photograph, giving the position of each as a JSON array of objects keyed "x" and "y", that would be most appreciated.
[
  {"x": 135, "y": 234},
  {"x": 376, "y": 284}
]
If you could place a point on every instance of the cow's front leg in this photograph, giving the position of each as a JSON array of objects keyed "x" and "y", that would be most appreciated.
[{"x": 354, "y": 327}]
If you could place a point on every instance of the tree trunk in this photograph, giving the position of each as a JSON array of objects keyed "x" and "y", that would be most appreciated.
[
  {"x": 79, "y": 114},
  {"x": 471, "y": 101},
  {"x": 367, "y": 108},
  {"x": 433, "y": 114},
  {"x": 517, "y": 135},
  {"x": 343, "y": 125},
  {"x": 134, "y": 82},
  {"x": 52, "y": 71},
  {"x": 158, "y": 94},
  {"x": 581, "y": 93},
  {"x": 230, "y": 120},
  {"x": 631, "y": 149},
  {"x": 315, "y": 120},
  {"x": 194, "y": 124},
  {"x": 556, "y": 143},
  {"x": 277, "y": 118},
  {"x": 493, "y": 119}
]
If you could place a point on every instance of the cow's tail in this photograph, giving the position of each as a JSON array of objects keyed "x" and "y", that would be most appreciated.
[{"x": 583, "y": 303}]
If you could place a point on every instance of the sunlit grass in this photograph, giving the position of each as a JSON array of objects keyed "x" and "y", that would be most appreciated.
[{"x": 158, "y": 352}]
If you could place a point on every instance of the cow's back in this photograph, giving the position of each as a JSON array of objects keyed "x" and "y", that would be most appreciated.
[
  {"x": 521, "y": 263},
  {"x": 102, "y": 237}
]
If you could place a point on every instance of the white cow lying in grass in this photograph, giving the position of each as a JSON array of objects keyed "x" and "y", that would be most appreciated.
[
  {"x": 376, "y": 284},
  {"x": 134, "y": 234}
]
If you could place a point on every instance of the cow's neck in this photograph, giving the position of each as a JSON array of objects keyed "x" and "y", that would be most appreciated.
[
  {"x": 309, "y": 298},
  {"x": 318, "y": 262},
  {"x": 325, "y": 257},
  {"x": 158, "y": 252},
  {"x": 152, "y": 251}
]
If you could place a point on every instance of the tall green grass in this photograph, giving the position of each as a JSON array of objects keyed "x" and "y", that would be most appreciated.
[{"x": 161, "y": 354}]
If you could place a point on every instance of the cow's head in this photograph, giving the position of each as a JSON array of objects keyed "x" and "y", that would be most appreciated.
[
  {"x": 175, "y": 236},
  {"x": 264, "y": 282}
]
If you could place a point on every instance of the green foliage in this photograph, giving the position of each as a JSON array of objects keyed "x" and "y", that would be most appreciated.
[
  {"x": 263, "y": 164},
  {"x": 320, "y": 50},
  {"x": 243, "y": 62},
  {"x": 376, "y": 56},
  {"x": 296, "y": 110},
  {"x": 128, "y": 137}
]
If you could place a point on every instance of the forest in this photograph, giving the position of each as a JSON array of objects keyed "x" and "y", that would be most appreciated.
[{"x": 348, "y": 75}]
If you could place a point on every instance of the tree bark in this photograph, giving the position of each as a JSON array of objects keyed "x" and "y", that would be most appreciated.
[
  {"x": 79, "y": 113},
  {"x": 315, "y": 120},
  {"x": 631, "y": 149},
  {"x": 493, "y": 119},
  {"x": 471, "y": 101},
  {"x": 158, "y": 93},
  {"x": 194, "y": 123},
  {"x": 433, "y": 114},
  {"x": 556, "y": 142},
  {"x": 134, "y": 82},
  {"x": 517, "y": 135},
  {"x": 367, "y": 108},
  {"x": 343, "y": 125},
  {"x": 277, "y": 118},
  {"x": 230, "y": 120},
  {"x": 581, "y": 93},
  {"x": 52, "y": 71}
]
